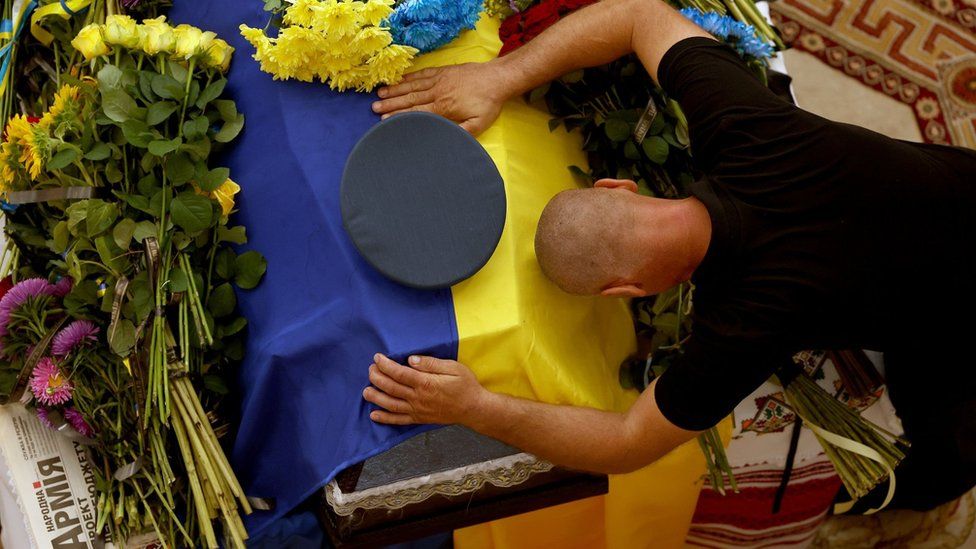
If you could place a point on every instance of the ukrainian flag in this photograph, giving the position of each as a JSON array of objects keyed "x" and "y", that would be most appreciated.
[{"x": 322, "y": 312}]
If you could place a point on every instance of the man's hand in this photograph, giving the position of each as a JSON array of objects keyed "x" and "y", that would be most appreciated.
[
  {"x": 470, "y": 94},
  {"x": 432, "y": 391}
]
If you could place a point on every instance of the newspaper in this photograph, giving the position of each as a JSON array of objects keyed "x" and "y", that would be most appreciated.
[{"x": 53, "y": 483}]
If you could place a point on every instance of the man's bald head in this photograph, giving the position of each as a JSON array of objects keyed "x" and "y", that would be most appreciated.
[{"x": 582, "y": 241}]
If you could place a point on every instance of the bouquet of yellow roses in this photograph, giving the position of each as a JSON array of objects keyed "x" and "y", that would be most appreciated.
[{"x": 120, "y": 325}]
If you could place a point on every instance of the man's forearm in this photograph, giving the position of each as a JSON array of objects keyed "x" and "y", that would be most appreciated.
[
  {"x": 575, "y": 437},
  {"x": 595, "y": 35}
]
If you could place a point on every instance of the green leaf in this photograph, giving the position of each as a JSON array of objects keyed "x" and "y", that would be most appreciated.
[
  {"x": 110, "y": 254},
  {"x": 141, "y": 295},
  {"x": 118, "y": 105},
  {"x": 230, "y": 129},
  {"x": 62, "y": 159},
  {"x": 227, "y": 109},
  {"x": 122, "y": 233},
  {"x": 581, "y": 174},
  {"x": 101, "y": 216},
  {"x": 196, "y": 128},
  {"x": 147, "y": 185},
  {"x": 83, "y": 294},
  {"x": 112, "y": 172},
  {"x": 167, "y": 87},
  {"x": 209, "y": 180},
  {"x": 250, "y": 267},
  {"x": 235, "y": 326},
  {"x": 225, "y": 264},
  {"x": 215, "y": 384},
  {"x": 145, "y": 85},
  {"x": 234, "y": 235},
  {"x": 656, "y": 149},
  {"x": 61, "y": 235},
  {"x": 122, "y": 337},
  {"x": 137, "y": 133},
  {"x": 77, "y": 213},
  {"x": 222, "y": 300},
  {"x": 163, "y": 147},
  {"x": 192, "y": 212},
  {"x": 177, "y": 71},
  {"x": 160, "y": 111},
  {"x": 139, "y": 202},
  {"x": 177, "y": 280},
  {"x": 143, "y": 230},
  {"x": 179, "y": 169},
  {"x": 617, "y": 130},
  {"x": 199, "y": 149},
  {"x": 630, "y": 151},
  {"x": 99, "y": 151},
  {"x": 109, "y": 78},
  {"x": 572, "y": 77},
  {"x": 211, "y": 92}
]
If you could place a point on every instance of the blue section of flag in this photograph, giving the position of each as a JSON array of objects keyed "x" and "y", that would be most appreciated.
[{"x": 321, "y": 312}]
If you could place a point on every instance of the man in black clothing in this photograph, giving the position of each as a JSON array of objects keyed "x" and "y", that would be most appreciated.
[{"x": 801, "y": 233}]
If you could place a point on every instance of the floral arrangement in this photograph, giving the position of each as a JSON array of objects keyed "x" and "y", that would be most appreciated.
[
  {"x": 741, "y": 36},
  {"x": 340, "y": 42},
  {"x": 526, "y": 20},
  {"x": 429, "y": 24},
  {"x": 118, "y": 319}
]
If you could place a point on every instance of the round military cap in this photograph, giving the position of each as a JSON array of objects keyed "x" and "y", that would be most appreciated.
[{"x": 422, "y": 201}]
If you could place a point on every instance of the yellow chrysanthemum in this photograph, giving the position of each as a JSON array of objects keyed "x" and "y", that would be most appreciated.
[
  {"x": 355, "y": 78},
  {"x": 65, "y": 103},
  {"x": 388, "y": 64},
  {"x": 371, "y": 39},
  {"x": 301, "y": 12},
  {"x": 337, "y": 19},
  {"x": 373, "y": 12}
]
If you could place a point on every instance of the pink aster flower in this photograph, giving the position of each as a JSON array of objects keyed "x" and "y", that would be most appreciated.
[
  {"x": 63, "y": 286},
  {"x": 48, "y": 383},
  {"x": 20, "y": 293},
  {"x": 42, "y": 414},
  {"x": 72, "y": 336},
  {"x": 77, "y": 422}
]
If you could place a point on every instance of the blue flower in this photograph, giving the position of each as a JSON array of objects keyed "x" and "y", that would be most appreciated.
[
  {"x": 429, "y": 24},
  {"x": 740, "y": 36},
  {"x": 8, "y": 207}
]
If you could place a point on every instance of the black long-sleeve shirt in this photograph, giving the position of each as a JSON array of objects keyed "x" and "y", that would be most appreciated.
[{"x": 824, "y": 235}]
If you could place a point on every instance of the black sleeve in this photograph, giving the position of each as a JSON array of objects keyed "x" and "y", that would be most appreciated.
[
  {"x": 712, "y": 376},
  {"x": 724, "y": 101}
]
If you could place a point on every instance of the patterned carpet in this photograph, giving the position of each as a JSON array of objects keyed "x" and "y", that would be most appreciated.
[{"x": 921, "y": 52}]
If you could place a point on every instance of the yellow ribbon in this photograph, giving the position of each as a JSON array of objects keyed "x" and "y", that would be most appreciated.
[
  {"x": 11, "y": 30},
  {"x": 862, "y": 450},
  {"x": 63, "y": 9}
]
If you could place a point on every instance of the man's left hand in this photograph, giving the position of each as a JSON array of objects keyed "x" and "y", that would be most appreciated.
[{"x": 430, "y": 390}]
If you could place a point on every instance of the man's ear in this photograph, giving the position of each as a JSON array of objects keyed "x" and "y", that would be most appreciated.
[
  {"x": 623, "y": 290},
  {"x": 626, "y": 184}
]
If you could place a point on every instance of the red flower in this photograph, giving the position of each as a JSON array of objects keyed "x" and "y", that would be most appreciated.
[
  {"x": 572, "y": 5},
  {"x": 5, "y": 285},
  {"x": 510, "y": 27},
  {"x": 540, "y": 17},
  {"x": 33, "y": 119}
]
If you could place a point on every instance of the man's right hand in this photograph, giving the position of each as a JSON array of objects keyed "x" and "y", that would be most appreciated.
[{"x": 470, "y": 94}]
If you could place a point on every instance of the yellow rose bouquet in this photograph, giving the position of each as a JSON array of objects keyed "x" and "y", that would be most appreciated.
[{"x": 118, "y": 282}]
